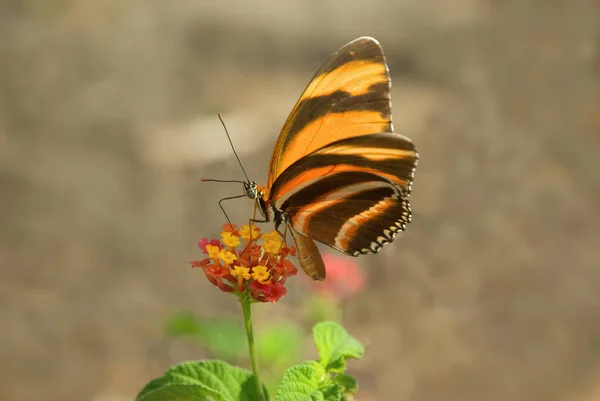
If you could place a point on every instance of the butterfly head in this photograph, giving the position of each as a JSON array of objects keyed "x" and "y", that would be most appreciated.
[
  {"x": 257, "y": 193},
  {"x": 251, "y": 189}
]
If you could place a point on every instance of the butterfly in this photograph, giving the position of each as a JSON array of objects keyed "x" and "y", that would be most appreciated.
[{"x": 338, "y": 174}]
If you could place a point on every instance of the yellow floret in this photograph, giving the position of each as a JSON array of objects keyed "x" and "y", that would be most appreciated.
[
  {"x": 240, "y": 271},
  {"x": 260, "y": 274},
  {"x": 245, "y": 232},
  {"x": 227, "y": 257},
  {"x": 230, "y": 240}
]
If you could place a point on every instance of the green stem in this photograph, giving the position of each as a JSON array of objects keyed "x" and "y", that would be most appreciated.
[{"x": 246, "y": 308}]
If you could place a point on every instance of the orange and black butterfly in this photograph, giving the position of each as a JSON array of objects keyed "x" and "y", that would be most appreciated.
[{"x": 339, "y": 175}]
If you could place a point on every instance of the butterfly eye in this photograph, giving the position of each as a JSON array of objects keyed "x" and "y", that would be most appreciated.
[{"x": 251, "y": 190}]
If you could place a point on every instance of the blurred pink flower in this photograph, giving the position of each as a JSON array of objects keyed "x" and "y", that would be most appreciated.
[{"x": 344, "y": 277}]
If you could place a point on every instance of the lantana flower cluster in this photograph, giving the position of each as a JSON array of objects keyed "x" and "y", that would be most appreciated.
[{"x": 238, "y": 263}]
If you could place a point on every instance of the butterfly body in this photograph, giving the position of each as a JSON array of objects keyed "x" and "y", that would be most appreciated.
[{"x": 339, "y": 175}]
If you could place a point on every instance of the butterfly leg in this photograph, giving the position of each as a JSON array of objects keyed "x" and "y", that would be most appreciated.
[
  {"x": 283, "y": 236},
  {"x": 253, "y": 220}
]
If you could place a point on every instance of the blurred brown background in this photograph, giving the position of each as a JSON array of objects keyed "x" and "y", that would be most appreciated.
[{"x": 108, "y": 120}]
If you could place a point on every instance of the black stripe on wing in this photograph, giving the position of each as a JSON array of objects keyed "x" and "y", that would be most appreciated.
[
  {"x": 387, "y": 152},
  {"x": 330, "y": 186},
  {"x": 312, "y": 108},
  {"x": 334, "y": 90}
]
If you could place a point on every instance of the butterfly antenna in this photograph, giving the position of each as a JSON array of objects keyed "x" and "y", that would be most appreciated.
[
  {"x": 233, "y": 148},
  {"x": 213, "y": 180}
]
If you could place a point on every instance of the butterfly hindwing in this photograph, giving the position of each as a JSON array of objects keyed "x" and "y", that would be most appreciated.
[
  {"x": 349, "y": 96},
  {"x": 362, "y": 223},
  {"x": 351, "y": 194}
]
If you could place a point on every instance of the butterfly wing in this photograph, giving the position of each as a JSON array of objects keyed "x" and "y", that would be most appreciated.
[
  {"x": 351, "y": 195},
  {"x": 318, "y": 181},
  {"x": 349, "y": 96}
]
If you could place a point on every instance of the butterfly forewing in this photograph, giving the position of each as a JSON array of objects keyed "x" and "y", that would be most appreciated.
[
  {"x": 347, "y": 97},
  {"x": 388, "y": 155}
]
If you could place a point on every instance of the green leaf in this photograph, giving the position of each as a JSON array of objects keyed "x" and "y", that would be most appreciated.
[
  {"x": 332, "y": 392},
  {"x": 201, "y": 380},
  {"x": 177, "y": 392},
  {"x": 307, "y": 381},
  {"x": 347, "y": 383},
  {"x": 152, "y": 386},
  {"x": 335, "y": 345}
]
